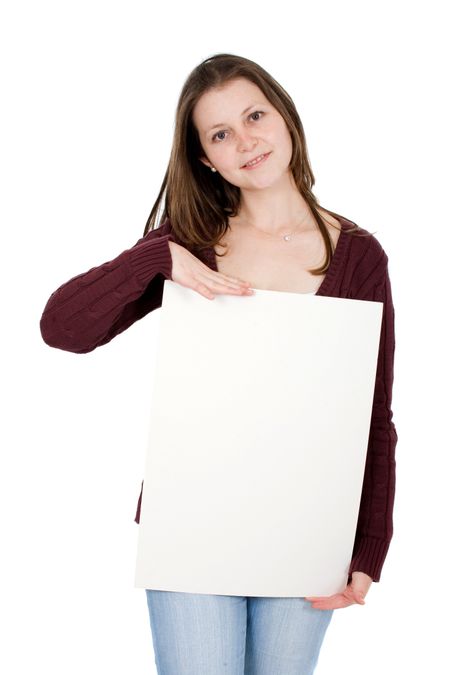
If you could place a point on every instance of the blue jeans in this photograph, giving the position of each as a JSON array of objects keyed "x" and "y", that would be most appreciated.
[{"x": 201, "y": 634}]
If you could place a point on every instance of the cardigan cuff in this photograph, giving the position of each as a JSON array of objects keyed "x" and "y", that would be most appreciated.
[
  {"x": 150, "y": 258},
  {"x": 369, "y": 557}
]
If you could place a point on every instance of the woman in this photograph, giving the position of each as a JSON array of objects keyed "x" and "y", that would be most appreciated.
[{"x": 239, "y": 213}]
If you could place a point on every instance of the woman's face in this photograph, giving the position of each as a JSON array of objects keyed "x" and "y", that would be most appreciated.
[{"x": 236, "y": 124}]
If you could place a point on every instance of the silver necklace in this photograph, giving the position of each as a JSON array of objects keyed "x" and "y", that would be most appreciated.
[{"x": 285, "y": 237}]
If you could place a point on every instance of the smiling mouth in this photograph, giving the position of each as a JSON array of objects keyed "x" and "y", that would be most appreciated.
[{"x": 256, "y": 161}]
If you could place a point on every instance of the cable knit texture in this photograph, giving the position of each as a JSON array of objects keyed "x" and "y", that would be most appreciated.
[{"x": 92, "y": 308}]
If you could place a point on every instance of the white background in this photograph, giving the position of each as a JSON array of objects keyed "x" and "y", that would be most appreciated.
[{"x": 89, "y": 91}]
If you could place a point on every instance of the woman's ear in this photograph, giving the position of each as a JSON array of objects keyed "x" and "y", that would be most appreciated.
[{"x": 206, "y": 162}]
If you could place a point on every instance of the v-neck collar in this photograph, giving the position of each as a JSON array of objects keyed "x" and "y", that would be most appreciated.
[{"x": 336, "y": 260}]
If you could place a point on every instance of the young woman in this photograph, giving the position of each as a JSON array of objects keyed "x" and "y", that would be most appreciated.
[{"x": 239, "y": 213}]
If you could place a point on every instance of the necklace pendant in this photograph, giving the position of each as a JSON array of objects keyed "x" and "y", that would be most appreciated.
[{"x": 287, "y": 237}]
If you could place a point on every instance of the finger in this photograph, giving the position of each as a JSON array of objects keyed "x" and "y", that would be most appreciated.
[
  {"x": 233, "y": 280},
  {"x": 219, "y": 286},
  {"x": 224, "y": 278},
  {"x": 338, "y": 603},
  {"x": 323, "y": 598},
  {"x": 232, "y": 284},
  {"x": 203, "y": 290}
]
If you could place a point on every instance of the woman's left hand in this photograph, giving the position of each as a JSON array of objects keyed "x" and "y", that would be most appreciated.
[{"x": 355, "y": 593}]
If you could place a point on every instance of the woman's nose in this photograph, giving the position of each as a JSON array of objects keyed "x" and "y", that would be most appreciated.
[{"x": 246, "y": 141}]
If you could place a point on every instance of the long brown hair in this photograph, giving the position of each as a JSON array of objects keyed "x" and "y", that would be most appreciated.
[{"x": 197, "y": 201}]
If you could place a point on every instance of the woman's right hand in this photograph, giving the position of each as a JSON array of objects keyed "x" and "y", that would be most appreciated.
[{"x": 189, "y": 271}]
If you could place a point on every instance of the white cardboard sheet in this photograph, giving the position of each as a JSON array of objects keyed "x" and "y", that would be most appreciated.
[{"x": 259, "y": 428}]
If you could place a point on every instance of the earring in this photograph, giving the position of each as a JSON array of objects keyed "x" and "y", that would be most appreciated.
[{"x": 213, "y": 169}]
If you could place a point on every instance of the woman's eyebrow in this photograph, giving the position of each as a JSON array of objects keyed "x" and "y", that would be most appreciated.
[{"x": 222, "y": 124}]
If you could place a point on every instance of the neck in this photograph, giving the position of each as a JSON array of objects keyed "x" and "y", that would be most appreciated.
[{"x": 276, "y": 211}]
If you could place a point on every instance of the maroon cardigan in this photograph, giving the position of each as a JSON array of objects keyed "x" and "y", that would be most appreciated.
[{"x": 92, "y": 308}]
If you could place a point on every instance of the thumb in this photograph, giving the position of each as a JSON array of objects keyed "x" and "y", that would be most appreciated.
[
  {"x": 359, "y": 597},
  {"x": 357, "y": 592}
]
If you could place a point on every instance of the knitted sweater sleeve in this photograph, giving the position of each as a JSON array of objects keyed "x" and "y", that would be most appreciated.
[
  {"x": 375, "y": 519},
  {"x": 93, "y": 307}
]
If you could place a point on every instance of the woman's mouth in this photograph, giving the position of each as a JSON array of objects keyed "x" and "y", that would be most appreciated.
[{"x": 256, "y": 162}]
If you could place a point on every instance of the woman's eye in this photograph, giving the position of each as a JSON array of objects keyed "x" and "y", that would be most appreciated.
[{"x": 257, "y": 112}]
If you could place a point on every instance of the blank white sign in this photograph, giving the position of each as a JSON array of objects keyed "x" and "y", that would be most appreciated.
[{"x": 259, "y": 428}]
